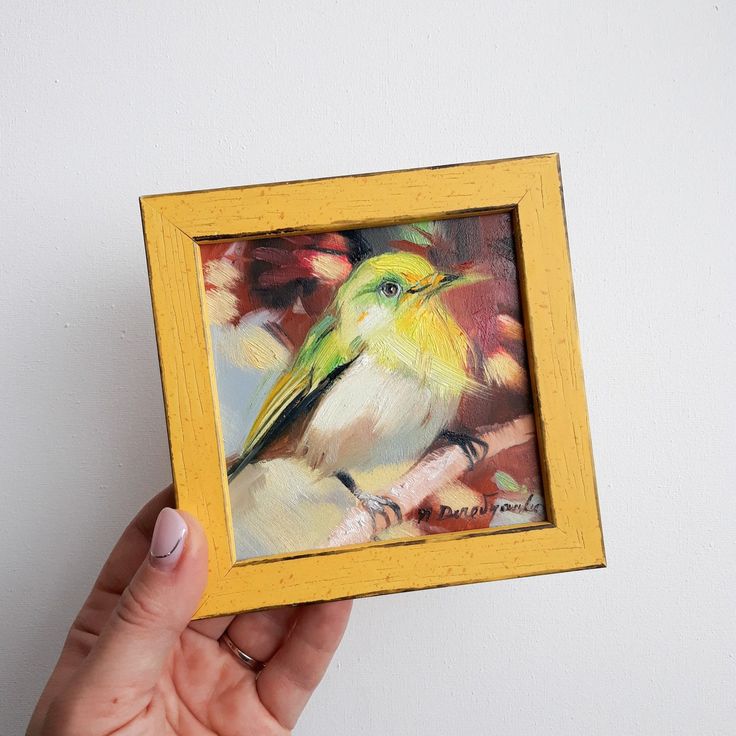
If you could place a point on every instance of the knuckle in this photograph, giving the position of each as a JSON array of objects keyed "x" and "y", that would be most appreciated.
[{"x": 137, "y": 607}]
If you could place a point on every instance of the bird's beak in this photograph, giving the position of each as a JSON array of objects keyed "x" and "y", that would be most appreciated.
[
  {"x": 442, "y": 282},
  {"x": 447, "y": 280}
]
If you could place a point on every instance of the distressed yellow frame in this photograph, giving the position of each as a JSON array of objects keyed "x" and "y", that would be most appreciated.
[{"x": 528, "y": 187}]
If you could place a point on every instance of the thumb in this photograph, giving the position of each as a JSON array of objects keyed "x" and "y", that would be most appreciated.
[{"x": 153, "y": 610}]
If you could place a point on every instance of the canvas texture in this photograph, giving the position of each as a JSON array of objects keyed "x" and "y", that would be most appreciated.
[{"x": 361, "y": 375}]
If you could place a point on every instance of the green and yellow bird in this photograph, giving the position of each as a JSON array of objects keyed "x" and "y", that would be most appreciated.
[{"x": 377, "y": 380}]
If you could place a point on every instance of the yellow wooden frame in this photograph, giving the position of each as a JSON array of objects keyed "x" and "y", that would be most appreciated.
[{"x": 528, "y": 187}]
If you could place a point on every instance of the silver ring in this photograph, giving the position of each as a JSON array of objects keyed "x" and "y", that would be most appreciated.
[{"x": 245, "y": 659}]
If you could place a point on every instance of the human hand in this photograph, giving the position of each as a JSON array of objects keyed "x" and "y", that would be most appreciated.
[{"x": 134, "y": 663}]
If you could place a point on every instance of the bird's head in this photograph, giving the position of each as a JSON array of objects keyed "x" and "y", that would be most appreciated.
[{"x": 387, "y": 287}]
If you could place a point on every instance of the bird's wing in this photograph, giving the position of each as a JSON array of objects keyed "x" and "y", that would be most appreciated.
[{"x": 320, "y": 360}]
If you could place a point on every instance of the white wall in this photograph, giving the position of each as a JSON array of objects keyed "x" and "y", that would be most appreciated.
[{"x": 101, "y": 103}]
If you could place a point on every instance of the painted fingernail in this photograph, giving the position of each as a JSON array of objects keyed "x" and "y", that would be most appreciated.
[{"x": 168, "y": 539}]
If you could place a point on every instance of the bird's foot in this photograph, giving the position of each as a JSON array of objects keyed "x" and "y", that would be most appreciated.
[
  {"x": 375, "y": 505},
  {"x": 475, "y": 448}
]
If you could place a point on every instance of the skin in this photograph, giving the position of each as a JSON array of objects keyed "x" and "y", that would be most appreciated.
[{"x": 134, "y": 663}]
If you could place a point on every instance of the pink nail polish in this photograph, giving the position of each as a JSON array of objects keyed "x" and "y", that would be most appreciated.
[{"x": 168, "y": 539}]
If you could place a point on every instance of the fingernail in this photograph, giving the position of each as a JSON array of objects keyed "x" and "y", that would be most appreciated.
[{"x": 168, "y": 539}]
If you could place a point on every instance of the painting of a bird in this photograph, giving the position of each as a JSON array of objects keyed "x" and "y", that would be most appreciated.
[{"x": 376, "y": 382}]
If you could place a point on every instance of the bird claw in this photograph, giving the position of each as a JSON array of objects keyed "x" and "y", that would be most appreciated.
[
  {"x": 378, "y": 505},
  {"x": 475, "y": 448},
  {"x": 373, "y": 504}
]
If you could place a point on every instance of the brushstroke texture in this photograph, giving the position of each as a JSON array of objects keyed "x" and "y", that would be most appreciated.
[
  {"x": 410, "y": 347},
  {"x": 326, "y": 396}
]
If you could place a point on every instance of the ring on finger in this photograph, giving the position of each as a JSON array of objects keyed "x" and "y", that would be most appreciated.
[{"x": 245, "y": 659}]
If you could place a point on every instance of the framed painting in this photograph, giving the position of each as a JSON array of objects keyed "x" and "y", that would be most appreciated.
[{"x": 373, "y": 383}]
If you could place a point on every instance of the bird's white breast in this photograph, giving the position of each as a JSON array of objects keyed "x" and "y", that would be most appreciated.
[{"x": 372, "y": 416}]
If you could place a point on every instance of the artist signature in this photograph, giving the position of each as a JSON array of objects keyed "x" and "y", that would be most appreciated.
[{"x": 491, "y": 506}]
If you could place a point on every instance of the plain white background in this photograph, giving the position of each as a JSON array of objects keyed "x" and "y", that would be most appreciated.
[{"x": 101, "y": 103}]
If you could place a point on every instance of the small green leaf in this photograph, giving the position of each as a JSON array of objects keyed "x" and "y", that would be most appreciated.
[{"x": 505, "y": 482}]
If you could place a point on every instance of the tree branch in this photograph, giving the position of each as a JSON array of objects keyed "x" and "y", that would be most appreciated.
[{"x": 429, "y": 476}]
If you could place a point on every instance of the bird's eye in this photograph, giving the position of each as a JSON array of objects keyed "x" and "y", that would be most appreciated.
[{"x": 390, "y": 289}]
